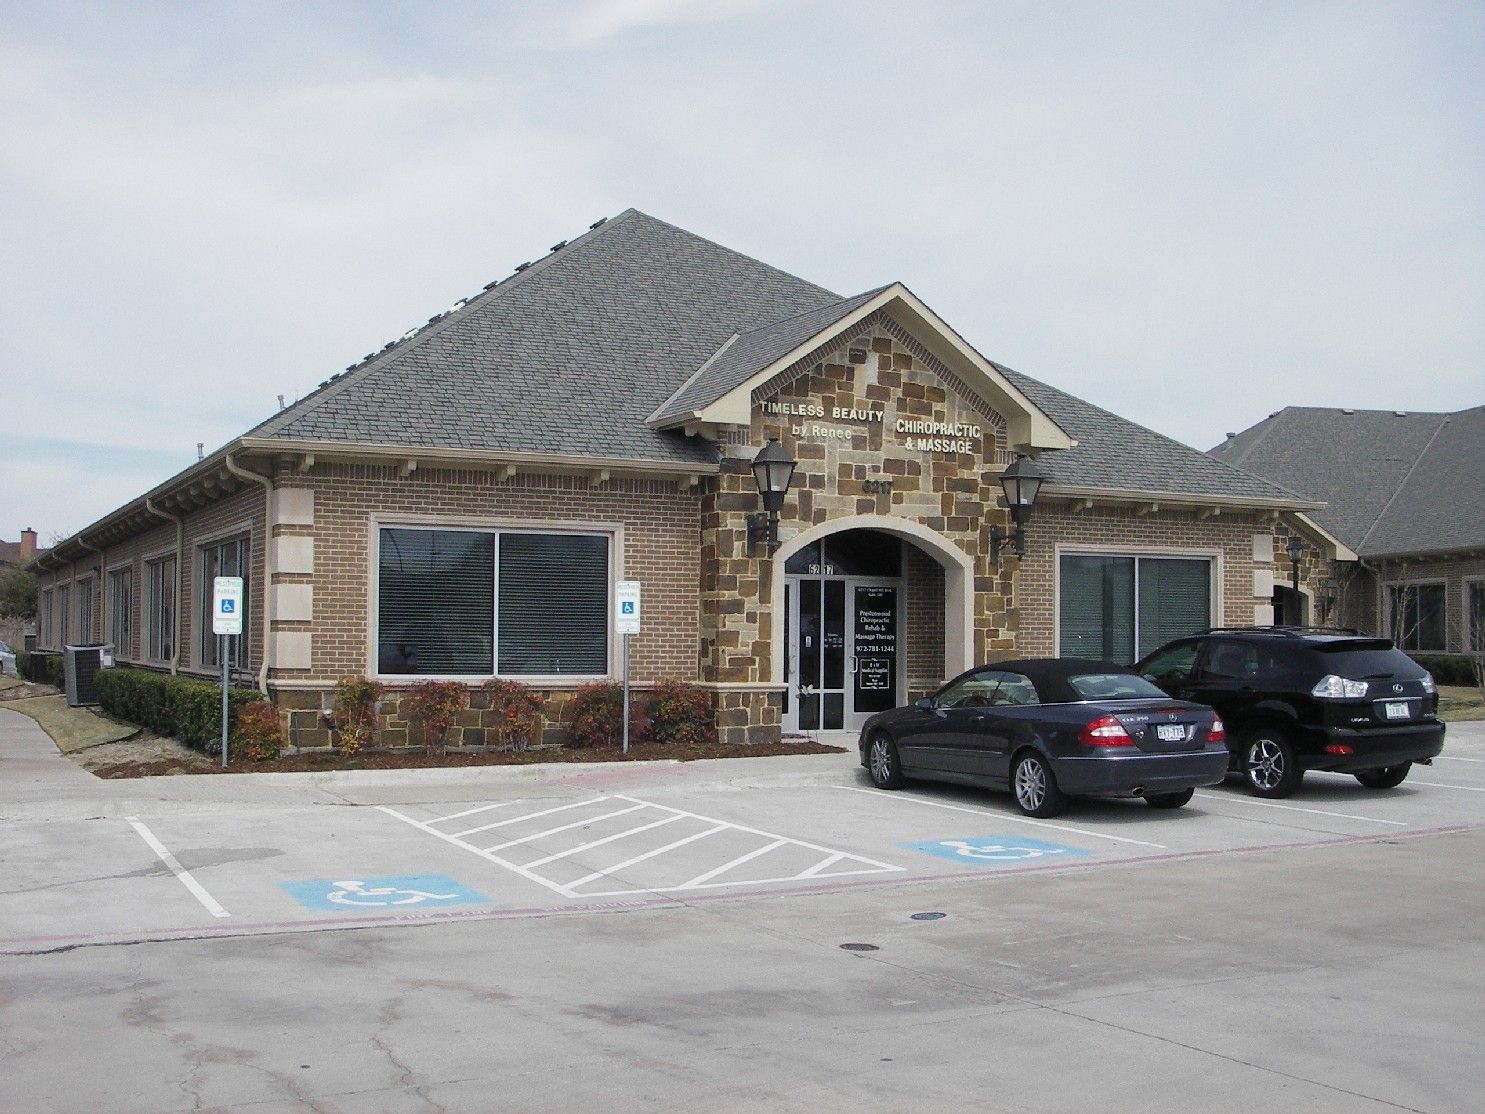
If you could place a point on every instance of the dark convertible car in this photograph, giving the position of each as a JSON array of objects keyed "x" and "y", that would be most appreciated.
[{"x": 1049, "y": 729}]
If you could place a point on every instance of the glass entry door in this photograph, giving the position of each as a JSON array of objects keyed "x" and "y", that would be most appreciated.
[{"x": 842, "y": 657}]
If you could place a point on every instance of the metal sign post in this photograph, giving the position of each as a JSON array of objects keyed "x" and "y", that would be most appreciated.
[
  {"x": 226, "y": 618},
  {"x": 626, "y": 622}
]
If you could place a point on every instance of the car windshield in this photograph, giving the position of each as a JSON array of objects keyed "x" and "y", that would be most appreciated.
[{"x": 1112, "y": 686}]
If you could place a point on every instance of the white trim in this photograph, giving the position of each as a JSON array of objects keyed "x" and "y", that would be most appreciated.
[
  {"x": 959, "y": 580},
  {"x": 1215, "y": 600},
  {"x": 476, "y": 524}
]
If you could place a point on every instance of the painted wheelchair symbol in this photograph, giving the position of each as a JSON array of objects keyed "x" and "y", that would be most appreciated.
[
  {"x": 998, "y": 852},
  {"x": 354, "y": 889}
]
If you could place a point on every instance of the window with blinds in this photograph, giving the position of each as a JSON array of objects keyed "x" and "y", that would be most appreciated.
[
  {"x": 1122, "y": 608},
  {"x": 229, "y": 558},
  {"x": 481, "y": 603},
  {"x": 161, "y": 594},
  {"x": 121, "y": 612}
]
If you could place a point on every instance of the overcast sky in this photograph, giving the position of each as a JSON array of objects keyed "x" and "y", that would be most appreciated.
[{"x": 1191, "y": 214}]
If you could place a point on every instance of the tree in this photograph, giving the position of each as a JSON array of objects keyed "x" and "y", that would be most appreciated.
[{"x": 17, "y": 594}]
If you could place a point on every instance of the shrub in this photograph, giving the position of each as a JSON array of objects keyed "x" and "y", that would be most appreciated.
[
  {"x": 42, "y": 668},
  {"x": 597, "y": 716},
  {"x": 1450, "y": 670},
  {"x": 517, "y": 710},
  {"x": 433, "y": 705},
  {"x": 23, "y": 664},
  {"x": 259, "y": 735},
  {"x": 179, "y": 707},
  {"x": 354, "y": 707},
  {"x": 681, "y": 713}
]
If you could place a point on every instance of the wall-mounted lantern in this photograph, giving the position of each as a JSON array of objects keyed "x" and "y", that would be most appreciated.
[
  {"x": 1020, "y": 482},
  {"x": 772, "y": 471},
  {"x": 1296, "y": 550}
]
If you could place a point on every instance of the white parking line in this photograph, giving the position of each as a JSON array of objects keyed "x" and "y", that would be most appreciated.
[
  {"x": 1455, "y": 758},
  {"x": 580, "y": 848},
  {"x": 585, "y": 879},
  {"x": 1296, "y": 808},
  {"x": 564, "y": 827},
  {"x": 1441, "y": 785},
  {"x": 723, "y": 869},
  {"x": 524, "y": 816},
  {"x": 496, "y": 859},
  {"x": 179, "y": 871},
  {"x": 472, "y": 811},
  {"x": 999, "y": 816}
]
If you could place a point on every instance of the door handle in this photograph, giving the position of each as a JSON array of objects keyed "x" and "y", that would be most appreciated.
[{"x": 853, "y": 663}]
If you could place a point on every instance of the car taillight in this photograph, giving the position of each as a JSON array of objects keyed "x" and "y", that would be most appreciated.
[
  {"x": 1331, "y": 687},
  {"x": 1217, "y": 733},
  {"x": 1105, "y": 731}
]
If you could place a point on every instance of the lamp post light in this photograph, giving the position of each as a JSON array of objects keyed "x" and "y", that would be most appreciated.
[
  {"x": 1296, "y": 550},
  {"x": 1020, "y": 482},
  {"x": 772, "y": 471}
]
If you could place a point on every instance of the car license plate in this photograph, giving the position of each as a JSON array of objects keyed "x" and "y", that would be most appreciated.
[
  {"x": 1396, "y": 709},
  {"x": 1170, "y": 732}
]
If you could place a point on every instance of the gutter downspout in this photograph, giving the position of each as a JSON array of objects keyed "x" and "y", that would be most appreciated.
[
  {"x": 267, "y": 484},
  {"x": 180, "y": 540}
]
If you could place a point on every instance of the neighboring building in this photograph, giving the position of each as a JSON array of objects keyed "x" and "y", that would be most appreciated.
[
  {"x": 461, "y": 502},
  {"x": 1405, "y": 493},
  {"x": 14, "y": 555}
]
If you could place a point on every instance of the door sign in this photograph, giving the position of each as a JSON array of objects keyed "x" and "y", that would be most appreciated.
[
  {"x": 399, "y": 892},
  {"x": 996, "y": 850}
]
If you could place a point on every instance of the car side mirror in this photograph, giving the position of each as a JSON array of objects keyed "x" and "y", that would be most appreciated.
[{"x": 924, "y": 704}]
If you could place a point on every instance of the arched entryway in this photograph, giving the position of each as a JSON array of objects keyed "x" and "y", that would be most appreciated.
[{"x": 853, "y": 599}]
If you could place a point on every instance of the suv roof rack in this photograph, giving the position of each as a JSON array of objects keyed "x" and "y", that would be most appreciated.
[{"x": 1288, "y": 631}]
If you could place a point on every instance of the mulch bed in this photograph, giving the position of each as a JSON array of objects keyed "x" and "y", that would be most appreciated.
[{"x": 319, "y": 761}]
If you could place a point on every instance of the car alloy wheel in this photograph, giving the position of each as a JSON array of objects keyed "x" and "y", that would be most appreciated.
[
  {"x": 884, "y": 764},
  {"x": 1035, "y": 787},
  {"x": 1269, "y": 764},
  {"x": 1265, "y": 764}
]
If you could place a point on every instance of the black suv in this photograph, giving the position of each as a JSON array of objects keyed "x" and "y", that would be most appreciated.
[{"x": 1306, "y": 698}]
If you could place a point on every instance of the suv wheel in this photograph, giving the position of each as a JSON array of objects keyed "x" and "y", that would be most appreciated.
[
  {"x": 1386, "y": 778},
  {"x": 1269, "y": 764}
]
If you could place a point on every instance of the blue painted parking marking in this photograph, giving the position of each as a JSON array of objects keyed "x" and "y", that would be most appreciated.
[
  {"x": 398, "y": 892},
  {"x": 996, "y": 850}
]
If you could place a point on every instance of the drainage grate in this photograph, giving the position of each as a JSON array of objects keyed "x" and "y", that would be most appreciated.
[
  {"x": 928, "y": 916},
  {"x": 861, "y": 947}
]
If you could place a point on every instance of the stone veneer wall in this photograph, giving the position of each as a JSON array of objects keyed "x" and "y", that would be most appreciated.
[{"x": 879, "y": 367}]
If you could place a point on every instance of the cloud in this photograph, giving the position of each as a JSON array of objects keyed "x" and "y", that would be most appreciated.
[{"x": 603, "y": 19}]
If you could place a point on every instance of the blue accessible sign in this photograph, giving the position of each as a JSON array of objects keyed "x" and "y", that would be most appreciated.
[
  {"x": 398, "y": 892},
  {"x": 996, "y": 850}
]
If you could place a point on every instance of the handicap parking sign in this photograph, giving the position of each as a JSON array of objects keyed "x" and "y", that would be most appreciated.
[
  {"x": 396, "y": 893},
  {"x": 996, "y": 850}
]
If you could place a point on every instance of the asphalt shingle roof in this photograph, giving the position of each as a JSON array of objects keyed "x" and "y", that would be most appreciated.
[
  {"x": 1114, "y": 453},
  {"x": 568, "y": 357},
  {"x": 1394, "y": 483}
]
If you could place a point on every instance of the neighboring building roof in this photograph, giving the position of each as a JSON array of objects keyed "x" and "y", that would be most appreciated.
[
  {"x": 1115, "y": 454},
  {"x": 567, "y": 357},
  {"x": 1394, "y": 483}
]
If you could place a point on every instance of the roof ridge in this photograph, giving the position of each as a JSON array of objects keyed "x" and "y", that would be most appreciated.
[
  {"x": 1402, "y": 483},
  {"x": 731, "y": 251},
  {"x": 434, "y": 326}
]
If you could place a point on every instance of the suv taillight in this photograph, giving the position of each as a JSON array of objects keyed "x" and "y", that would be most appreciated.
[
  {"x": 1105, "y": 731},
  {"x": 1331, "y": 687},
  {"x": 1217, "y": 733},
  {"x": 1429, "y": 688}
]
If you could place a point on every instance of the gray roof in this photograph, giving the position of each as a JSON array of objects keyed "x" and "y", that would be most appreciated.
[
  {"x": 745, "y": 354},
  {"x": 1115, "y": 454},
  {"x": 1394, "y": 483},
  {"x": 567, "y": 357}
]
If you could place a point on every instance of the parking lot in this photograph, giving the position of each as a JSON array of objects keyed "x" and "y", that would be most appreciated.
[{"x": 285, "y": 855}]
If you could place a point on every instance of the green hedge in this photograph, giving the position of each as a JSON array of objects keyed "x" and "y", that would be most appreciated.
[
  {"x": 180, "y": 707},
  {"x": 43, "y": 668},
  {"x": 1450, "y": 670}
]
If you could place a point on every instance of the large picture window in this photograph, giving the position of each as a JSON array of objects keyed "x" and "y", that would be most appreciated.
[
  {"x": 228, "y": 558},
  {"x": 160, "y": 592},
  {"x": 1474, "y": 615},
  {"x": 64, "y": 616},
  {"x": 1415, "y": 616},
  {"x": 481, "y": 603},
  {"x": 1121, "y": 608},
  {"x": 85, "y": 611},
  {"x": 121, "y": 611},
  {"x": 48, "y": 627}
]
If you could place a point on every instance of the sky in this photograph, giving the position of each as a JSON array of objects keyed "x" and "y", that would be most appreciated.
[{"x": 1191, "y": 214}]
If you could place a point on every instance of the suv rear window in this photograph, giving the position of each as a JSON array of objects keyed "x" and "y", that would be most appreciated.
[{"x": 1360, "y": 660}]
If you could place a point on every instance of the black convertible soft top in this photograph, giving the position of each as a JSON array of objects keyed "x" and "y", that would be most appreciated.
[{"x": 1051, "y": 675}]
